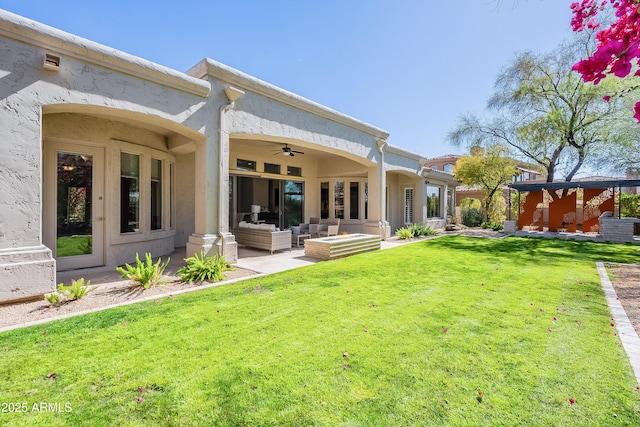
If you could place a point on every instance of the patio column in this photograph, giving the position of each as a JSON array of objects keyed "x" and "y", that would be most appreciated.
[
  {"x": 212, "y": 234},
  {"x": 377, "y": 177}
]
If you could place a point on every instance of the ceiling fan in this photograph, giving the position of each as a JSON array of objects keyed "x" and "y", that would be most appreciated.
[{"x": 287, "y": 151}]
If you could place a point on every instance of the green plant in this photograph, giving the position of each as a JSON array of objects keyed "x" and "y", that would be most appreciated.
[
  {"x": 414, "y": 230},
  {"x": 76, "y": 290},
  {"x": 145, "y": 273},
  {"x": 404, "y": 233},
  {"x": 492, "y": 226},
  {"x": 422, "y": 330},
  {"x": 203, "y": 269},
  {"x": 471, "y": 217},
  {"x": 53, "y": 298}
]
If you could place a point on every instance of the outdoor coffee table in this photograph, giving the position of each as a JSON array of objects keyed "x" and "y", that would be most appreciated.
[{"x": 301, "y": 236}]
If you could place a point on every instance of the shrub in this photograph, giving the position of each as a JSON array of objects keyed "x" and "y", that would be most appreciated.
[
  {"x": 76, "y": 290},
  {"x": 146, "y": 273},
  {"x": 423, "y": 230},
  {"x": 414, "y": 230},
  {"x": 53, "y": 298},
  {"x": 203, "y": 269},
  {"x": 492, "y": 225},
  {"x": 404, "y": 233},
  {"x": 471, "y": 217}
]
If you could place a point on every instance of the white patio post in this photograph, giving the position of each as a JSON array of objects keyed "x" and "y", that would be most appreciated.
[
  {"x": 377, "y": 178},
  {"x": 212, "y": 190}
]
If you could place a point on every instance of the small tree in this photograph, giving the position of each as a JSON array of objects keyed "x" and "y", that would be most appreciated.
[{"x": 489, "y": 170}]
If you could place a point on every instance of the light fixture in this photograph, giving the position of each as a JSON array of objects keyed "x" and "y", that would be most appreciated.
[
  {"x": 255, "y": 210},
  {"x": 68, "y": 168}
]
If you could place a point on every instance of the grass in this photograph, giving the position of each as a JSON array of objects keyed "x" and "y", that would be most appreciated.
[
  {"x": 73, "y": 245},
  {"x": 451, "y": 331}
]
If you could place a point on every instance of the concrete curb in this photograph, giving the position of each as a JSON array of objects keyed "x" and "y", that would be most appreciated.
[{"x": 628, "y": 335}]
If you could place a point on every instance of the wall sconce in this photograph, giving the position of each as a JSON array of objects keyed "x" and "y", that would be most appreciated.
[{"x": 51, "y": 62}]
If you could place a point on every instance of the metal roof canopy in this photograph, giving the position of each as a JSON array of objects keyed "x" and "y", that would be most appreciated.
[{"x": 575, "y": 184}]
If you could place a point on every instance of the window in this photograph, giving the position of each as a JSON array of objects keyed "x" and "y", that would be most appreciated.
[
  {"x": 366, "y": 200},
  {"x": 245, "y": 165},
  {"x": 408, "y": 205},
  {"x": 129, "y": 193},
  {"x": 448, "y": 168},
  {"x": 156, "y": 194},
  {"x": 324, "y": 200},
  {"x": 147, "y": 191},
  {"x": 272, "y": 168},
  {"x": 433, "y": 201},
  {"x": 354, "y": 200},
  {"x": 294, "y": 171},
  {"x": 339, "y": 199}
]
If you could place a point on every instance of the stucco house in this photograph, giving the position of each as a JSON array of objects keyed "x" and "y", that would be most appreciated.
[{"x": 104, "y": 154}]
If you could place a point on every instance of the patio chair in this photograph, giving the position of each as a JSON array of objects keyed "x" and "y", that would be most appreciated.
[
  {"x": 332, "y": 230},
  {"x": 329, "y": 229}
]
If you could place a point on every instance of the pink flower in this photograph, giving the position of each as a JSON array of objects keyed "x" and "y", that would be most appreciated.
[
  {"x": 572, "y": 400},
  {"x": 606, "y": 98},
  {"x": 579, "y": 323},
  {"x": 124, "y": 325},
  {"x": 636, "y": 109},
  {"x": 43, "y": 333},
  {"x": 139, "y": 400},
  {"x": 549, "y": 329},
  {"x": 612, "y": 325},
  {"x": 555, "y": 318},
  {"x": 587, "y": 295},
  {"x": 445, "y": 330},
  {"x": 51, "y": 375}
]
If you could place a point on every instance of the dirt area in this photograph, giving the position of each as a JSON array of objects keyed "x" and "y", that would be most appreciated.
[
  {"x": 103, "y": 296},
  {"x": 626, "y": 281}
]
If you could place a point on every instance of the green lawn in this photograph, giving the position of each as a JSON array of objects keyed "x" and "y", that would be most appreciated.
[
  {"x": 451, "y": 331},
  {"x": 73, "y": 245}
]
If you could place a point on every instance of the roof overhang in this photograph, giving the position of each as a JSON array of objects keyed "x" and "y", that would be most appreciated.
[{"x": 538, "y": 186}]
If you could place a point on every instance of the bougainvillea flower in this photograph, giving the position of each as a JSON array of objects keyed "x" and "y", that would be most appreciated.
[
  {"x": 139, "y": 399},
  {"x": 572, "y": 400},
  {"x": 51, "y": 375}
]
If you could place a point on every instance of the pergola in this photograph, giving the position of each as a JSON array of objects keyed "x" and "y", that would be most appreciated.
[{"x": 565, "y": 205}]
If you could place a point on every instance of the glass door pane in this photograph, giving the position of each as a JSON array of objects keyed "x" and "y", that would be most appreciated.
[
  {"x": 74, "y": 234},
  {"x": 293, "y": 203}
]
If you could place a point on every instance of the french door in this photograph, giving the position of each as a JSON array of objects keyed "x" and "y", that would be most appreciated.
[{"x": 73, "y": 186}]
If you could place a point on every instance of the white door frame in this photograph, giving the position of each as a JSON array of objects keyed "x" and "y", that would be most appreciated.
[{"x": 50, "y": 198}]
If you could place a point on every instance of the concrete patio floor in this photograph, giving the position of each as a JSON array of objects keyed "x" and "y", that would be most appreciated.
[{"x": 258, "y": 261}]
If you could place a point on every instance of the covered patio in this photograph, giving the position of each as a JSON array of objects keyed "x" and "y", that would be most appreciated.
[{"x": 580, "y": 209}]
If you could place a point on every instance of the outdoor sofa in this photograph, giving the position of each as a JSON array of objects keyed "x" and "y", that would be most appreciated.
[{"x": 262, "y": 236}]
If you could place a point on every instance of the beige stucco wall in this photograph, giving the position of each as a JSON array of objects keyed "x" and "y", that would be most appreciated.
[
  {"x": 103, "y": 82},
  {"x": 108, "y": 98}
]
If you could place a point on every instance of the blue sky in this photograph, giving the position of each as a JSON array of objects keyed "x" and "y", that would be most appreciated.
[{"x": 410, "y": 67}]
